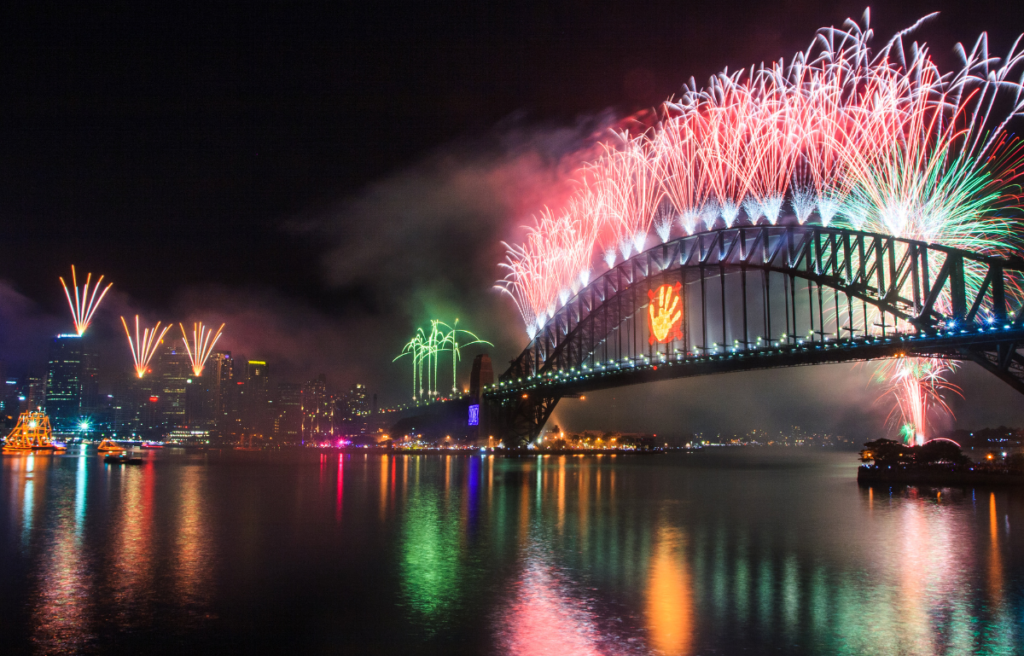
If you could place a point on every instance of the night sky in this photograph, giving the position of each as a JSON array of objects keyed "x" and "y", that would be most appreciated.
[{"x": 326, "y": 176}]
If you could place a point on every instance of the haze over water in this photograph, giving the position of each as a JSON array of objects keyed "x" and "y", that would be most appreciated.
[{"x": 715, "y": 552}]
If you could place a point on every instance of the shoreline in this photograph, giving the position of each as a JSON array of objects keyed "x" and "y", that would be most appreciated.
[{"x": 924, "y": 476}]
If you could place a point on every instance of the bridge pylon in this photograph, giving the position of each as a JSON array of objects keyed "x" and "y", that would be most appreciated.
[{"x": 517, "y": 421}]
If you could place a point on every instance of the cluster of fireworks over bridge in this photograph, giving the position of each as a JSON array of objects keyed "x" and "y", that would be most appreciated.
[
  {"x": 862, "y": 142},
  {"x": 85, "y": 300}
]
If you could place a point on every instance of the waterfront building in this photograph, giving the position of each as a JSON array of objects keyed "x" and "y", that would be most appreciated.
[
  {"x": 206, "y": 393},
  {"x": 288, "y": 413},
  {"x": 34, "y": 391},
  {"x": 72, "y": 382},
  {"x": 128, "y": 404},
  {"x": 257, "y": 419},
  {"x": 353, "y": 411},
  {"x": 317, "y": 410},
  {"x": 173, "y": 370}
]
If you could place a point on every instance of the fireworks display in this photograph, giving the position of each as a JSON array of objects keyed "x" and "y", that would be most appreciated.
[
  {"x": 86, "y": 301},
  {"x": 882, "y": 141},
  {"x": 917, "y": 386},
  {"x": 144, "y": 345},
  {"x": 425, "y": 349},
  {"x": 203, "y": 341}
]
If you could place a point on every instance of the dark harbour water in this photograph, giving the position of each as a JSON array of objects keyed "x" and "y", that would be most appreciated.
[{"x": 723, "y": 552}]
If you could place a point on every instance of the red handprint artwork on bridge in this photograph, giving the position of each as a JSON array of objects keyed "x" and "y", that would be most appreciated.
[{"x": 665, "y": 313}]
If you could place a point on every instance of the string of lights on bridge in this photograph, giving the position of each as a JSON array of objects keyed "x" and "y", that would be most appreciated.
[{"x": 735, "y": 351}]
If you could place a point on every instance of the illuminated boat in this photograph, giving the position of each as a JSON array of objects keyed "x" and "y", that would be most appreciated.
[
  {"x": 152, "y": 445},
  {"x": 110, "y": 446},
  {"x": 32, "y": 433}
]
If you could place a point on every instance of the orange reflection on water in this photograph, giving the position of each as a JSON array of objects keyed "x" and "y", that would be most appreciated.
[
  {"x": 383, "y": 487},
  {"x": 193, "y": 543},
  {"x": 132, "y": 566},
  {"x": 524, "y": 508},
  {"x": 669, "y": 596},
  {"x": 995, "y": 566},
  {"x": 63, "y": 583},
  {"x": 583, "y": 499}
]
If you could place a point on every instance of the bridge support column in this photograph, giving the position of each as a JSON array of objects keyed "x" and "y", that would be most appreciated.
[{"x": 517, "y": 421}]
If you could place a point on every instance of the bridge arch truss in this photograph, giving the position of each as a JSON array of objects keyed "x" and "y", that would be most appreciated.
[{"x": 768, "y": 296}]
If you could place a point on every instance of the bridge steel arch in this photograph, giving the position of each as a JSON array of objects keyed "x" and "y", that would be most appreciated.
[{"x": 757, "y": 297}]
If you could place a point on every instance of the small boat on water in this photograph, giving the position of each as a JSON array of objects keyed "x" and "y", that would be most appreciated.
[
  {"x": 110, "y": 446},
  {"x": 32, "y": 434},
  {"x": 152, "y": 445},
  {"x": 122, "y": 459}
]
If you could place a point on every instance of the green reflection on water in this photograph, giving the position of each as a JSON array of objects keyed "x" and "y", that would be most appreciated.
[{"x": 430, "y": 557}]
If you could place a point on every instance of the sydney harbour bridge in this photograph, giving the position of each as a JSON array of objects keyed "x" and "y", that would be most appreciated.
[{"x": 759, "y": 297}]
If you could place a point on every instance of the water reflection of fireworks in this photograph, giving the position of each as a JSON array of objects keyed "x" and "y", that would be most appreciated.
[{"x": 549, "y": 613}]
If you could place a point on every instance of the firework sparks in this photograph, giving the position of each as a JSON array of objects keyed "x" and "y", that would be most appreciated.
[
  {"x": 881, "y": 141},
  {"x": 203, "y": 341},
  {"x": 144, "y": 345},
  {"x": 85, "y": 302},
  {"x": 425, "y": 349},
  {"x": 917, "y": 384}
]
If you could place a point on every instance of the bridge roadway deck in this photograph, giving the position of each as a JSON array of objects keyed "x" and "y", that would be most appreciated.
[{"x": 948, "y": 344}]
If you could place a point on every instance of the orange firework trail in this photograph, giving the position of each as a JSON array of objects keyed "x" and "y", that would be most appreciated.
[
  {"x": 144, "y": 346},
  {"x": 203, "y": 341},
  {"x": 84, "y": 304}
]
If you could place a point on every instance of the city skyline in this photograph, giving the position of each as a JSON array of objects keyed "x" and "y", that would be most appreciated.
[{"x": 311, "y": 287}]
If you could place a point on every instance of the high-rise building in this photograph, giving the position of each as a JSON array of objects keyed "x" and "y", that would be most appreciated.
[
  {"x": 234, "y": 398},
  {"x": 288, "y": 420},
  {"x": 481, "y": 375},
  {"x": 35, "y": 391},
  {"x": 174, "y": 369},
  {"x": 354, "y": 411},
  {"x": 129, "y": 400},
  {"x": 218, "y": 369},
  {"x": 317, "y": 411},
  {"x": 356, "y": 401},
  {"x": 12, "y": 401},
  {"x": 257, "y": 414},
  {"x": 206, "y": 393},
  {"x": 72, "y": 382}
]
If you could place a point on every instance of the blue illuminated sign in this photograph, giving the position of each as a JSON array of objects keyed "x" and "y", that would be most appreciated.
[{"x": 474, "y": 415}]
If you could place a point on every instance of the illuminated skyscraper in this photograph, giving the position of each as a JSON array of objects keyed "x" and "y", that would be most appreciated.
[
  {"x": 288, "y": 411},
  {"x": 354, "y": 411},
  {"x": 173, "y": 370},
  {"x": 206, "y": 393},
  {"x": 72, "y": 382},
  {"x": 317, "y": 411},
  {"x": 256, "y": 412}
]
